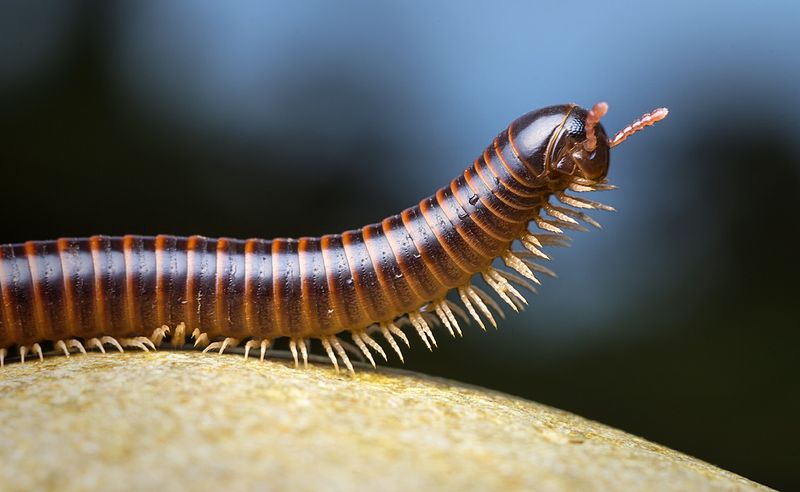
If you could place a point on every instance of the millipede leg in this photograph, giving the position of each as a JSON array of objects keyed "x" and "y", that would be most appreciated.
[
  {"x": 329, "y": 350},
  {"x": 304, "y": 352},
  {"x": 76, "y": 344},
  {"x": 445, "y": 307},
  {"x": 517, "y": 280},
  {"x": 349, "y": 347},
  {"x": 582, "y": 202},
  {"x": 179, "y": 337},
  {"x": 423, "y": 330},
  {"x": 473, "y": 293},
  {"x": 23, "y": 350},
  {"x": 372, "y": 343},
  {"x": 37, "y": 350},
  {"x": 537, "y": 267},
  {"x": 264, "y": 346},
  {"x": 293, "y": 350},
  {"x": 487, "y": 299},
  {"x": 390, "y": 340},
  {"x": 201, "y": 339},
  {"x": 398, "y": 333},
  {"x": 111, "y": 341},
  {"x": 532, "y": 244},
  {"x": 464, "y": 295},
  {"x": 294, "y": 344},
  {"x": 342, "y": 354},
  {"x": 501, "y": 291},
  {"x": 158, "y": 335},
  {"x": 515, "y": 263},
  {"x": 443, "y": 317},
  {"x": 250, "y": 345},
  {"x": 60, "y": 345},
  {"x": 228, "y": 342},
  {"x": 71, "y": 343},
  {"x": 3, "y": 355},
  {"x": 456, "y": 309},
  {"x": 141, "y": 343},
  {"x": 546, "y": 225},
  {"x": 575, "y": 214},
  {"x": 558, "y": 213},
  {"x": 360, "y": 344},
  {"x": 95, "y": 343},
  {"x": 502, "y": 286}
]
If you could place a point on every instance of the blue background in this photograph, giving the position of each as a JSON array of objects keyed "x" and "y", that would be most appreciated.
[{"x": 676, "y": 322}]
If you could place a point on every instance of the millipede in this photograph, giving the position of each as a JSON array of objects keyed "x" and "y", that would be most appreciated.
[{"x": 407, "y": 272}]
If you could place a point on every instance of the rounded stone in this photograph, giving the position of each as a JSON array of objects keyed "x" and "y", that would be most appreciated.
[{"x": 191, "y": 421}]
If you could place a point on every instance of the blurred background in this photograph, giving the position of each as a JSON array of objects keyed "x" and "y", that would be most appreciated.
[{"x": 674, "y": 322}]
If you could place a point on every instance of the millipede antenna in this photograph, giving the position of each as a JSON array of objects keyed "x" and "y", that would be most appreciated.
[
  {"x": 592, "y": 119},
  {"x": 646, "y": 120}
]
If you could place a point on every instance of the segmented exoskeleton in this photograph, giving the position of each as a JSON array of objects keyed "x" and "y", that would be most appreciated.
[{"x": 134, "y": 291}]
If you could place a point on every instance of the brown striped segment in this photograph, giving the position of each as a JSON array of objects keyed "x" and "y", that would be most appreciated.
[
  {"x": 493, "y": 193},
  {"x": 368, "y": 289},
  {"x": 477, "y": 240},
  {"x": 420, "y": 280},
  {"x": 170, "y": 279},
  {"x": 346, "y": 304},
  {"x": 393, "y": 282},
  {"x": 500, "y": 189},
  {"x": 133, "y": 316},
  {"x": 499, "y": 171},
  {"x": 492, "y": 213},
  {"x": 510, "y": 160},
  {"x": 230, "y": 288},
  {"x": 17, "y": 292},
  {"x": 258, "y": 288},
  {"x": 109, "y": 284},
  {"x": 457, "y": 249},
  {"x": 71, "y": 315},
  {"x": 48, "y": 287},
  {"x": 140, "y": 263},
  {"x": 478, "y": 211},
  {"x": 201, "y": 273},
  {"x": 318, "y": 311},
  {"x": 287, "y": 288},
  {"x": 78, "y": 275},
  {"x": 434, "y": 256},
  {"x": 165, "y": 251},
  {"x": 462, "y": 200},
  {"x": 537, "y": 167}
]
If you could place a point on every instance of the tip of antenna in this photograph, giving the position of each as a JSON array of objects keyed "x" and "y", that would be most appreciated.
[
  {"x": 592, "y": 119},
  {"x": 646, "y": 120}
]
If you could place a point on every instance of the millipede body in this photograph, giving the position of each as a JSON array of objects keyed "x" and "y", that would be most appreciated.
[{"x": 138, "y": 291}]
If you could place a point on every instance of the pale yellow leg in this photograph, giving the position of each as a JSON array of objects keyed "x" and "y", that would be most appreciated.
[
  {"x": 390, "y": 340},
  {"x": 158, "y": 335},
  {"x": 111, "y": 341},
  {"x": 95, "y": 343}
]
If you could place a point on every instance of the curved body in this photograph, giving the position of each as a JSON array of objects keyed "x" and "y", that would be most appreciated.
[
  {"x": 308, "y": 287},
  {"x": 88, "y": 287}
]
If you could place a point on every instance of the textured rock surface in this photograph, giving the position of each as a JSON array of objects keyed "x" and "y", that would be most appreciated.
[{"x": 188, "y": 421}]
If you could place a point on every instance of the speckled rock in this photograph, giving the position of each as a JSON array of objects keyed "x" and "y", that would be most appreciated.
[{"x": 190, "y": 421}]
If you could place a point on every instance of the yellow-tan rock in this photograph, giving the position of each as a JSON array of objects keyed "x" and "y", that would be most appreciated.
[{"x": 189, "y": 421}]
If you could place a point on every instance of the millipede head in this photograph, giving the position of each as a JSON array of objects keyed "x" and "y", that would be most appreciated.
[{"x": 582, "y": 145}]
